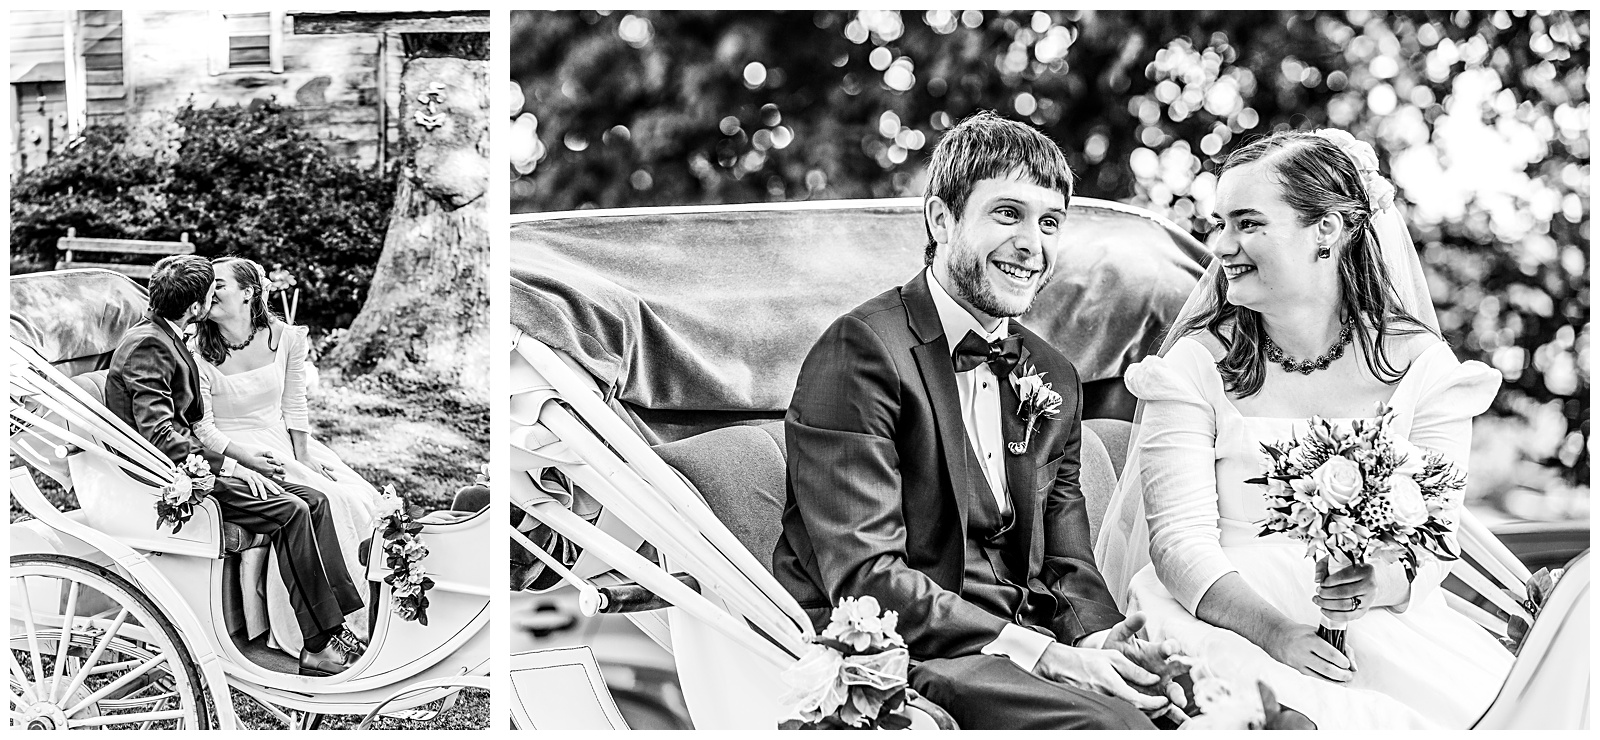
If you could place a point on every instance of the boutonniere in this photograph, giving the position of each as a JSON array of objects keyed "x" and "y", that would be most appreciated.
[{"x": 1039, "y": 401}]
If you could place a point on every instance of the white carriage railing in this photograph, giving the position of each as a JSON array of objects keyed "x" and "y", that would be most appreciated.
[
  {"x": 51, "y": 416},
  {"x": 558, "y": 421}
]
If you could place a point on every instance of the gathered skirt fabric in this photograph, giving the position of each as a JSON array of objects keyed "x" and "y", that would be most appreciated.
[{"x": 1427, "y": 667}]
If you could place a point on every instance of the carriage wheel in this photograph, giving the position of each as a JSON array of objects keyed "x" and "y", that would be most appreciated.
[{"x": 91, "y": 651}]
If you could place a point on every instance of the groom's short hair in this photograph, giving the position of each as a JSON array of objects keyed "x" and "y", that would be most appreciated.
[
  {"x": 178, "y": 282},
  {"x": 983, "y": 146}
]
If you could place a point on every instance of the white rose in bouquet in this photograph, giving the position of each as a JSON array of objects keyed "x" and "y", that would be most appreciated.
[
  {"x": 1338, "y": 481},
  {"x": 1405, "y": 500}
]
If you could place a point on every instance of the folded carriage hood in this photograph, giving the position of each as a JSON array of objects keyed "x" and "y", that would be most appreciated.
[
  {"x": 74, "y": 315},
  {"x": 714, "y": 308}
]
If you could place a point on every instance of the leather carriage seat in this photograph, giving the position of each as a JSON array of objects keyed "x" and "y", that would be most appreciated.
[
  {"x": 739, "y": 472},
  {"x": 234, "y": 537}
]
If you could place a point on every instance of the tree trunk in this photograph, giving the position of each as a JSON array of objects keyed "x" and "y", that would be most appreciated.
[{"x": 427, "y": 312}]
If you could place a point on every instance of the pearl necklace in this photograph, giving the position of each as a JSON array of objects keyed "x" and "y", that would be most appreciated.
[{"x": 1306, "y": 367}]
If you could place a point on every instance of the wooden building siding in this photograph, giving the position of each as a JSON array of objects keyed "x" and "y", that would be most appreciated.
[
  {"x": 331, "y": 81},
  {"x": 138, "y": 67},
  {"x": 37, "y": 37},
  {"x": 38, "y": 54}
]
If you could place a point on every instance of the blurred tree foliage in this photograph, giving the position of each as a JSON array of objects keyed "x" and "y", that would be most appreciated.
[
  {"x": 241, "y": 180},
  {"x": 1482, "y": 118}
]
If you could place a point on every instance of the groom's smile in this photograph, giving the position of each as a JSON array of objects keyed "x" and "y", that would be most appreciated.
[{"x": 998, "y": 255}]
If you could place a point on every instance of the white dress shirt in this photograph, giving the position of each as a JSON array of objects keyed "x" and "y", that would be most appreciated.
[{"x": 979, "y": 391}]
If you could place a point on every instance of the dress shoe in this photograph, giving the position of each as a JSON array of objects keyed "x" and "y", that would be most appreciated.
[
  {"x": 353, "y": 644},
  {"x": 335, "y": 657}
]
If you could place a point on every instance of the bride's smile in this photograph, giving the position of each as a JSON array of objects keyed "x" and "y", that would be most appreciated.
[{"x": 1269, "y": 258}]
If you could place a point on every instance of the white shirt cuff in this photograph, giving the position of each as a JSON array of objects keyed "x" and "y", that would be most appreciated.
[
  {"x": 230, "y": 466},
  {"x": 1022, "y": 645}
]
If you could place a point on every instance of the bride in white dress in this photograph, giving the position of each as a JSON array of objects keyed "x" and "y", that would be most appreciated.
[
  {"x": 253, "y": 372},
  {"x": 1315, "y": 305}
]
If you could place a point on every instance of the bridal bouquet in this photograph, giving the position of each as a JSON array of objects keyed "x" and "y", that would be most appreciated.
[
  {"x": 403, "y": 551},
  {"x": 1360, "y": 494},
  {"x": 178, "y": 498},
  {"x": 854, "y": 674}
]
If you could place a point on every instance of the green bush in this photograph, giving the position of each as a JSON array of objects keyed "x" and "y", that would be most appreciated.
[{"x": 240, "y": 180}]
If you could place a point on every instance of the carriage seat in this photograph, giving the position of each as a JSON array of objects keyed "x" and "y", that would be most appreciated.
[
  {"x": 234, "y": 537},
  {"x": 739, "y": 471}
]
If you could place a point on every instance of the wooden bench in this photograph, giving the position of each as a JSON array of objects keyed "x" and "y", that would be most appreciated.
[{"x": 71, "y": 243}]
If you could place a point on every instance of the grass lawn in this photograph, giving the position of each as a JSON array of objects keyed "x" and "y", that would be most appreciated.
[{"x": 423, "y": 439}]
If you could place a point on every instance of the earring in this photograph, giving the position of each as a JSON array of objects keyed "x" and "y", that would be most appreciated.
[{"x": 1324, "y": 252}]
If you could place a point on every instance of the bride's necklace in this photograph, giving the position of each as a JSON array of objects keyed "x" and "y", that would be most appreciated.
[
  {"x": 1306, "y": 367},
  {"x": 256, "y": 330}
]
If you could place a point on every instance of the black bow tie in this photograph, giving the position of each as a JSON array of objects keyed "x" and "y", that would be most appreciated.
[{"x": 1001, "y": 354}]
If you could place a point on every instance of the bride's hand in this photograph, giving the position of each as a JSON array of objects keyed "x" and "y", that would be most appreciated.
[
  {"x": 1346, "y": 595},
  {"x": 327, "y": 472},
  {"x": 1298, "y": 647},
  {"x": 1155, "y": 657},
  {"x": 263, "y": 462}
]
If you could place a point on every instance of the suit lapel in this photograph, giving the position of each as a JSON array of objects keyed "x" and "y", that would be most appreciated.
[
  {"x": 1019, "y": 468},
  {"x": 939, "y": 379},
  {"x": 191, "y": 369}
]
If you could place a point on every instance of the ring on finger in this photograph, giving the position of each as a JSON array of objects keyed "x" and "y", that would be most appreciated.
[{"x": 1355, "y": 602}]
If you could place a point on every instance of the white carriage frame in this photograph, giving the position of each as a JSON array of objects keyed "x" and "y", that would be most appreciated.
[{"x": 115, "y": 528}]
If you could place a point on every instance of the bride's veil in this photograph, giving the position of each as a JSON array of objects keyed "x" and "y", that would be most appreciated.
[{"x": 1123, "y": 546}]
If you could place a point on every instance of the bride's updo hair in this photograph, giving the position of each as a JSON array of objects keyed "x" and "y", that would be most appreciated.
[
  {"x": 1315, "y": 177},
  {"x": 249, "y": 276}
]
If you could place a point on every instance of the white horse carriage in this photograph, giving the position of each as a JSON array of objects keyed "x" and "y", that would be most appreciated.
[
  {"x": 119, "y": 623},
  {"x": 655, "y": 353}
]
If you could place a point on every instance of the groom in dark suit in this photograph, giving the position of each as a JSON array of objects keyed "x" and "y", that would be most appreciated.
[
  {"x": 912, "y": 476},
  {"x": 154, "y": 386}
]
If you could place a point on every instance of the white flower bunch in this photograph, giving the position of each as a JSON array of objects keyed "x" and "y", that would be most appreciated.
[
  {"x": 853, "y": 676},
  {"x": 1359, "y": 493},
  {"x": 1380, "y": 192}
]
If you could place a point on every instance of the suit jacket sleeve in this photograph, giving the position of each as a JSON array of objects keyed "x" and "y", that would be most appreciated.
[
  {"x": 846, "y": 483},
  {"x": 146, "y": 373},
  {"x": 1083, "y": 603}
]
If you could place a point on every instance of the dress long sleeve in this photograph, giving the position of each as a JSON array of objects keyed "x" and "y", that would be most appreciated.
[
  {"x": 1451, "y": 394},
  {"x": 295, "y": 414},
  {"x": 206, "y": 430},
  {"x": 1177, "y": 448}
]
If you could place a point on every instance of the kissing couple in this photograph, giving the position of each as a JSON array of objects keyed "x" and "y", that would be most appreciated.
[
  {"x": 922, "y": 472},
  {"x": 235, "y": 394}
]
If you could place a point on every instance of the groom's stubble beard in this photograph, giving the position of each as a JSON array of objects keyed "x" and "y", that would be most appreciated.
[{"x": 971, "y": 284}]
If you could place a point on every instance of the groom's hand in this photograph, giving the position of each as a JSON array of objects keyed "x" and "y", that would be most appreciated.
[
  {"x": 260, "y": 486},
  {"x": 1106, "y": 672},
  {"x": 1151, "y": 656}
]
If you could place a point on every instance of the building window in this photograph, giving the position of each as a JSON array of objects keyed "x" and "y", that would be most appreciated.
[{"x": 249, "y": 42}]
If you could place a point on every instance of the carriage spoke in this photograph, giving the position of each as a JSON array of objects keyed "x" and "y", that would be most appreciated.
[
  {"x": 118, "y": 684},
  {"x": 121, "y": 719},
  {"x": 114, "y": 667},
  {"x": 32, "y": 631},
  {"x": 105, "y": 640},
  {"x": 21, "y": 678},
  {"x": 64, "y": 642},
  {"x": 15, "y": 700}
]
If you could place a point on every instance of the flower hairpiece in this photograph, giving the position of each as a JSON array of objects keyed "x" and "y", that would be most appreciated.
[{"x": 1380, "y": 193}]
